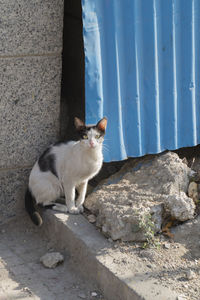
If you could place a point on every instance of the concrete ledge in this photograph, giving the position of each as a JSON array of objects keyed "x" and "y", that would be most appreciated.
[{"x": 95, "y": 258}]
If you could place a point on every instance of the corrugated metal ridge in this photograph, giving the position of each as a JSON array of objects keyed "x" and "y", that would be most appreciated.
[{"x": 142, "y": 72}]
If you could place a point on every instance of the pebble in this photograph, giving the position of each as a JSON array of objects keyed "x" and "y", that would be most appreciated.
[
  {"x": 190, "y": 275},
  {"x": 124, "y": 261},
  {"x": 91, "y": 218},
  {"x": 27, "y": 290},
  {"x": 149, "y": 266},
  {"x": 104, "y": 228},
  {"x": 164, "y": 267},
  {"x": 93, "y": 294},
  {"x": 181, "y": 297},
  {"x": 167, "y": 245}
]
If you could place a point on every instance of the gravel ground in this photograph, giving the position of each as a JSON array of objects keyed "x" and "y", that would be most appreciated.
[{"x": 172, "y": 265}]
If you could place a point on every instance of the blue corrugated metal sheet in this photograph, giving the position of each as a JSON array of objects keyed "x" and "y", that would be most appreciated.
[{"x": 143, "y": 72}]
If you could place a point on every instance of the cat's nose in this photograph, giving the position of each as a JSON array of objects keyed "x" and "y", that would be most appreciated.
[{"x": 92, "y": 144}]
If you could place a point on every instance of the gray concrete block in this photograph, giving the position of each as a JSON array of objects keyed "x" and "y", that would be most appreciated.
[
  {"x": 13, "y": 185},
  {"x": 29, "y": 26},
  {"x": 29, "y": 108}
]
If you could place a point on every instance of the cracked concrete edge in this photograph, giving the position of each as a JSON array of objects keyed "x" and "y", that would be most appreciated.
[{"x": 90, "y": 251}]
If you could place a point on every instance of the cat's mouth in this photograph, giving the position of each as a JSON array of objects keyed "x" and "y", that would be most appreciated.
[{"x": 92, "y": 146}]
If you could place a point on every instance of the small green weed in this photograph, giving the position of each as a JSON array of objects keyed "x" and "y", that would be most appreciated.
[{"x": 147, "y": 225}]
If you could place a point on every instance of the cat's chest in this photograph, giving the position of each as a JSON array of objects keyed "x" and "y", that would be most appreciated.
[
  {"x": 86, "y": 167},
  {"x": 89, "y": 167},
  {"x": 81, "y": 166}
]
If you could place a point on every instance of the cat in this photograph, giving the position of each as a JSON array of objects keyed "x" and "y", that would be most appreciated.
[{"x": 64, "y": 169}]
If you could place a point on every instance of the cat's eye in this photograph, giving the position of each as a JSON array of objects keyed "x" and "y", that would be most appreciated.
[
  {"x": 85, "y": 137},
  {"x": 97, "y": 136}
]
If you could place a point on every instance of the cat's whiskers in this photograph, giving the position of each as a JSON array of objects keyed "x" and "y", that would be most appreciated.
[{"x": 105, "y": 139}]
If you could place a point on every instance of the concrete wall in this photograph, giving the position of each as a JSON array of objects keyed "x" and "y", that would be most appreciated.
[{"x": 30, "y": 82}]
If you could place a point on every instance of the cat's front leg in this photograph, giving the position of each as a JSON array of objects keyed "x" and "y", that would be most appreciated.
[
  {"x": 82, "y": 188},
  {"x": 70, "y": 199}
]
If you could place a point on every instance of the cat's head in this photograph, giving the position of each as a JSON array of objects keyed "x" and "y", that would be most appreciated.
[{"x": 91, "y": 136}]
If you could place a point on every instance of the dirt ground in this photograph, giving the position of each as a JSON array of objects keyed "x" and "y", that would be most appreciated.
[
  {"x": 172, "y": 265},
  {"x": 175, "y": 265}
]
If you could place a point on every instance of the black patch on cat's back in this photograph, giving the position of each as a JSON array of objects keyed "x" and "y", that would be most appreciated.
[{"x": 47, "y": 161}]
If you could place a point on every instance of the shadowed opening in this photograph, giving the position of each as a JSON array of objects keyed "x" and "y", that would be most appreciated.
[{"x": 73, "y": 69}]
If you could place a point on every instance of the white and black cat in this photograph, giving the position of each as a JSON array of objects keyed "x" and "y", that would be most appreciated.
[{"x": 65, "y": 168}]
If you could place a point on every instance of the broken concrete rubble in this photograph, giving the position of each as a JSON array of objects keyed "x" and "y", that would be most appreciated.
[
  {"x": 193, "y": 191},
  {"x": 189, "y": 234},
  {"x": 52, "y": 259},
  {"x": 154, "y": 186},
  {"x": 180, "y": 206}
]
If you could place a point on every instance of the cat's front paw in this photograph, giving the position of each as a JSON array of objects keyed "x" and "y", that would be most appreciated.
[
  {"x": 74, "y": 210},
  {"x": 81, "y": 209}
]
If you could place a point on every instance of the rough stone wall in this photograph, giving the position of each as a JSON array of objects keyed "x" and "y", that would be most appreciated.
[{"x": 30, "y": 81}]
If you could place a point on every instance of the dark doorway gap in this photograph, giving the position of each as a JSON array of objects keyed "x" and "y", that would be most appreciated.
[{"x": 73, "y": 69}]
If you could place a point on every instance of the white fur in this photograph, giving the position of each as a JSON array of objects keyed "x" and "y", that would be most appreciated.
[{"x": 76, "y": 163}]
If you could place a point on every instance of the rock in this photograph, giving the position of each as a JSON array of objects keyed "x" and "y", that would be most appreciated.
[
  {"x": 188, "y": 234},
  {"x": 52, "y": 259},
  {"x": 195, "y": 165},
  {"x": 181, "y": 297},
  {"x": 190, "y": 275},
  {"x": 149, "y": 266},
  {"x": 148, "y": 254},
  {"x": 91, "y": 218},
  {"x": 94, "y": 294},
  {"x": 193, "y": 191},
  {"x": 130, "y": 203},
  {"x": 167, "y": 246},
  {"x": 180, "y": 206},
  {"x": 28, "y": 291},
  {"x": 156, "y": 215}
]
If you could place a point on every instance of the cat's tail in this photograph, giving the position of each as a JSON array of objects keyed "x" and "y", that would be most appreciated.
[{"x": 31, "y": 208}]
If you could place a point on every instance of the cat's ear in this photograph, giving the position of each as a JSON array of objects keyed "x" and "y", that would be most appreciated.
[
  {"x": 78, "y": 123},
  {"x": 101, "y": 125}
]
